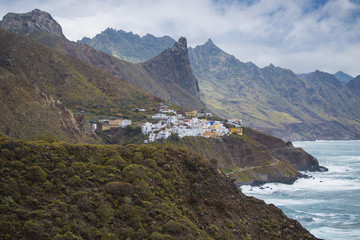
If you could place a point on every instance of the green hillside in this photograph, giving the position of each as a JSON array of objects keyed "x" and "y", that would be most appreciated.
[
  {"x": 41, "y": 89},
  {"x": 64, "y": 191}
]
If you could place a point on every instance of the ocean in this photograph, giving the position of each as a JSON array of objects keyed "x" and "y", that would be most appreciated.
[{"x": 327, "y": 203}]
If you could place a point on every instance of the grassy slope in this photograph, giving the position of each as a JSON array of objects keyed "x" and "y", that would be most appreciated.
[
  {"x": 64, "y": 191},
  {"x": 34, "y": 77}
]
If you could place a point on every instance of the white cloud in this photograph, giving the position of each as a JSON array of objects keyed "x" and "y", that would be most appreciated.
[{"x": 300, "y": 35}]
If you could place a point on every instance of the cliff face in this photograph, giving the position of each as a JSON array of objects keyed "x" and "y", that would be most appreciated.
[
  {"x": 172, "y": 67},
  {"x": 28, "y": 23},
  {"x": 140, "y": 192},
  {"x": 254, "y": 158}
]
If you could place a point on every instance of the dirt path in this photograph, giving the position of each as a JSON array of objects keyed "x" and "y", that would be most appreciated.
[{"x": 276, "y": 161}]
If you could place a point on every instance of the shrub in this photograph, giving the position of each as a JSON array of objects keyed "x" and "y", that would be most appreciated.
[
  {"x": 116, "y": 161},
  {"x": 79, "y": 167},
  {"x": 138, "y": 157},
  {"x": 143, "y": 190},
  {"x": 17, "y": 165},
  {"x": 33, "y": 230},
  {"x": 173, "y": 227},
  {"x": 48, "y": 186},
  {"x": 135, "y": 172},
  {"x": 119, "y": 188},
  {"x": 159, "y": 236},
  {"x": 67, "y": 236},
  {"x": 74, "y": 181},
  {"x": 36, "y": 174}
]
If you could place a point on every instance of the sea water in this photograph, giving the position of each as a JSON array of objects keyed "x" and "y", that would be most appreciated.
[{"x": 327, "y": 203}]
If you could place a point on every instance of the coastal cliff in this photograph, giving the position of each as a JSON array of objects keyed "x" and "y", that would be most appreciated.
[{"x": 253, "y": 158}]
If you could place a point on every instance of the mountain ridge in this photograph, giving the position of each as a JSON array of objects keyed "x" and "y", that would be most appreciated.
[
  {"x": 272, "y": 99},
  {"x": 40, "y": 98},
  {"x": 136, "y": 74},
  {"x": 276, "y": 100},
  {"x": 128, "y": 46}
]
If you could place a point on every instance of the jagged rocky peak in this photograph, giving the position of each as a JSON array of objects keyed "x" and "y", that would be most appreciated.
[
  {"x": 173, "y": 65},
  {"x": 180, "y": 46},
  {"x": 28, "y": 23}
]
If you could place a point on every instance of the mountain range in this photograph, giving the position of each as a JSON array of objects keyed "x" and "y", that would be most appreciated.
[
  {"x": 149, "y": 75},
  {"x": 68, "y": 83},
  {"x": 274, "y": 100},
  {"x": 128, "y": 46},
  {"x": 52, "y": 189}
]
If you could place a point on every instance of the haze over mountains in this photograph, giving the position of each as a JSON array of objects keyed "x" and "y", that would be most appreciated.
[{"x": 310, "y": 106}]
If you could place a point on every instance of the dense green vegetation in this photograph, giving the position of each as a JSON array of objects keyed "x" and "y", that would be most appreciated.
[{"x": 64, "y": 191}]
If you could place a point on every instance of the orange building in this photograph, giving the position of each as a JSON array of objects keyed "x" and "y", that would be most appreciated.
[{"x": 238, "y": 131}]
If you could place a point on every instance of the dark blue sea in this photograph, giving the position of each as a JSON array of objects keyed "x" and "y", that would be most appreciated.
[{"x": 327, "y": 204}]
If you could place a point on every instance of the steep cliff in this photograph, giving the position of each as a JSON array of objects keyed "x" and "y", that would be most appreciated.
[
  {"x": 173, "y": 70},
  {"x": 253, "y": 158}
]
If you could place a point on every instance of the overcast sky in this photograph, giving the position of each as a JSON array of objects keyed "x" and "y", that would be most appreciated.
[{"x": 302, "y": 35}]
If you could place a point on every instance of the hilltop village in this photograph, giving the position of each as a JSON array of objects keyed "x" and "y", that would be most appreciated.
[{"x": 168, "y": 121}]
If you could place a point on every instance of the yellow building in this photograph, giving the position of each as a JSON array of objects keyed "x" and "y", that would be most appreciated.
[
  {"x": 238, "y": 131},
  {"x": 191, "y": 114},
  {"x": 105, "y": 127},
  {"x": 215, "y": 126}
]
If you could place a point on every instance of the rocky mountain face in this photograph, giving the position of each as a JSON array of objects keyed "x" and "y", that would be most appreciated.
[
  {"x": 28, "y": 23},
  {"x": 272, "y": 99},
  {"x": 172, "y": 86},
  {"x": 172, "y": 68},
  {"x": 343, "y": 77},
  {"x": 128, "y": 46},
  {"x": 41, "y": 89},
  {"x": 354, "y": 86},
  {"x": 275, "y": 100}
]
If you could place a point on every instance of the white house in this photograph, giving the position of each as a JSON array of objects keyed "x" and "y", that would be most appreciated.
[
  {"x": 152, "y": 137},
  {"x": 159, "y": 116},
  {"x": 125, "y": 122},
  {"x": 163, "y": 134},
  {"x": 171, "y": 119},
  {"x": 236, "y": 122},
  {"x": 146, "y": 128},
  {"x": 167, "y": 110}
]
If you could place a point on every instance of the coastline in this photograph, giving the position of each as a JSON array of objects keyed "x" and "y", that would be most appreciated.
[{"x": 325, "y": 203}]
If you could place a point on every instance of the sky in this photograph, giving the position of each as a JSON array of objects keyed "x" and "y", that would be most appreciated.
[{"x": 301, "y": 35}]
